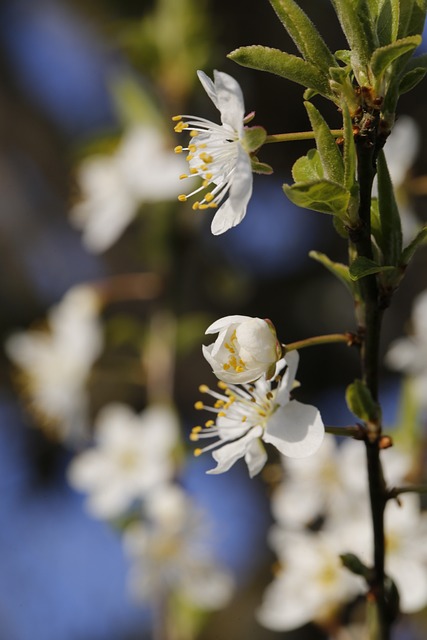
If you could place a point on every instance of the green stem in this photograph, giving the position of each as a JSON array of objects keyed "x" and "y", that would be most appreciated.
[
  {"x": 298, "y": 135},
  {"x": 352, "y": 431},
  {"x": 370, "y": 332},
  {"x": 348, "y": 338}
]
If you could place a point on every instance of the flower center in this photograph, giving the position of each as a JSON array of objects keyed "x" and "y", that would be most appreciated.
[
  {"x": 212, "y": 154},
  {"x": 234, "y": 361}
]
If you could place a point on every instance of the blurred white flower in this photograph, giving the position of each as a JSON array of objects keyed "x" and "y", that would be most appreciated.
[
  {"x": 311, "y": 583},
  {"x": 171, "y": 554},
  {"x": 131, "y": 456},
  {"x": 409, "y": 355},
  {"x": 114, "y": 186},
  {"x": 55, "y": 363},
  {"x": 216, "y": 153},
  {"x": 263, "y": 411},
  {"x": 326, "y": 484},
  {"x": 245, "y": 349}
]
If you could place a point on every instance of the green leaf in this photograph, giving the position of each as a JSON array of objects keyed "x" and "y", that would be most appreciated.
[
  {"x": 383, "y": 57},
  {"x": 362, "y": 267},
  {"x": 308, "y": 168},
  {"x": 391, "y": 228},
  {"x": 322, "y": 195},
  {"x": 410, "y": 250},
  {"x": 329, "y": 152},
  {"x": 412, "y": 17},
  {"x": 303, "y": 32},
  {"x": 350, "y": 157},
  {"x": 339, "y": 270},
  {"x": 355, "y": 19},
  {"x": 283, "y": 64},
  {"x": 411, "y": 79},
  {"x": 254, "y": 138},
  {"x": 387, "y": 26},
  {"x": 344, "y": 55},
  {"x": 354, "y": 564},
  {"x": 360, "y": 402}
]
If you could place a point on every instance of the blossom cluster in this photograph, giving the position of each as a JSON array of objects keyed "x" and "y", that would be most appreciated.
[{"x": 311, "y": 582}]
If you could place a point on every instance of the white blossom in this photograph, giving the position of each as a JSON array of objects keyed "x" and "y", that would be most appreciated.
[
  {"x": 245, "y": 349},
  {"x": 56, "y": 362},
  {"x": 409, "y": 354},
  {"x": 311, "y": 583},
  {"x": 141, "y": 171},
  {"x": 248, "y": 415},
  {"x": 170, "y": 553},
  {"x": 217, "y": 154},
  {"x": 131, "y": 456}
]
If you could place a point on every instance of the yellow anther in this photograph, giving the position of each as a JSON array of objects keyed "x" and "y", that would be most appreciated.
[
  {"x": 202, "y": 146},
  {"x": 192, "y": 148},
  {"x": 196, "y": 206},
  {"x": 196, "y": 429},
  {"x": 205, "y": 183},
  {"x": 183, "y": 176},
  {"x": 176, "y": 118},
  {"x": 213, "y": 205},
  {"x": 205, "y": 157},
  {"x": 218, "y": 404},
  {"x": 182, "y": 197},
  {"x": 204, "y": 167},
  {"x": 198, "y": 452},
  {"x": 189, "y": 157},
  {"x": 203, "y": 206},
  {"x": 239, "y": 369},
  {"x": 199, "y": 405},
  {"x": 193, "y": 170},
  {"x": 209, "y": 197},
  {"x": 181, "y": 126},
  {"x": 194, "y": 437},
  {"x": 244, "y": 418},
  {"x": 226, "y": 366},
  {"x": 221, "y": 414},
  {"x": 194, "y": 134},
  {"x": 208, "y": 176},
  {"x": 222, "y": 385},
  {"x": 203, "y": 388},
  {"x": 209, "y": 423},
  {"x": 178, "y": 149}
]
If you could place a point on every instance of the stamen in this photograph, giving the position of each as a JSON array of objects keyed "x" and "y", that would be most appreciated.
[{"x": 176, "y": 118}]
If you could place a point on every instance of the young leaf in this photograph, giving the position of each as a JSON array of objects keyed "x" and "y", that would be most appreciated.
[
  {"x": 383, "y": 57},
  {"x": 410, "y": 250},
  {"x": 355, "y": 19},
  {"x": 388, "y": 21},
  {"x": 362, "y": 267},
  {"x": 283, "y": 64},
  {"x": 349, "y": 149},
  {"x": 391, "y": 228},
  {"x": 322, "y": 195},
  {"x": 330, "y": 155},
  {"x": 360, "y": 402},
  {"x": 303, "y": 32},
  {"x": 411, "y": 79},
  {"x": 339, "y": 270},
  {"x": 412, "y": 17},
  {"x": 308, "y": 168}
]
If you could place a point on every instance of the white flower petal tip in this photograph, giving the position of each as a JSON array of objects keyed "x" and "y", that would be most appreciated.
[
  {"x": 245, "y": 349},
  {"x": 217, "y": 155},
  {"x": 247, "y": 415}
]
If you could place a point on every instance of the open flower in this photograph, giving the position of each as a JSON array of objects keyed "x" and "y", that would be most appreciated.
[
  {"x": 131, "y": 457},
  {"x": 245, "y": 349},
  {"x": 55, "y": 363},
  {"x": 250, "y": 414},
  {"x": 216, "y": 154},
  {"x": 141, "y": 171},
  {"x": 171, "y": 553}
]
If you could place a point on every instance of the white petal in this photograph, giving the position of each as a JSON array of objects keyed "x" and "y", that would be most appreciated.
[
  {"x": 224, "y": 323},
  {"x": 230, "y": 101},
  {"x": 256, "y": 457},
  {"x": 291, "y": 359},
  {"x": 209, "y": 87},
  {"x": 232, "y": 212},
  {"x": 228, "y": 454},
  {"x": 411, "y": 580},
  {"x": 296, "y": 429}
]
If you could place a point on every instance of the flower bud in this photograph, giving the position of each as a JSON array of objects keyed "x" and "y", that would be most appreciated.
[{"x": 246, "y": 348}]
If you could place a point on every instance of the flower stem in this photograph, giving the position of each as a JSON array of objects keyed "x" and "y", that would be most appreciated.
[
  {"x": 356, "y": 431},
  {"x": 348, "y": 338},
  {"x": 415, "y": 488},
  {"x": 298, "y": 135}
]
